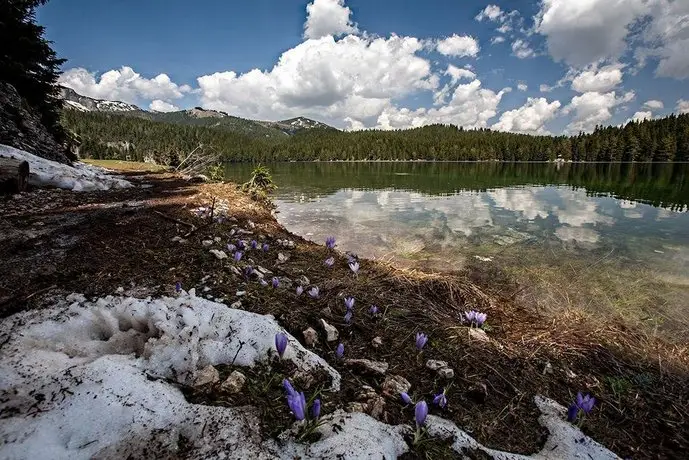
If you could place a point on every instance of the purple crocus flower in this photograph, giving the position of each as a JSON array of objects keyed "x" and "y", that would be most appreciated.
[
  {"x": 276, "y": 282},
  {"x": 281, "y": 343},
  {"x": 420, "y": 413},
  {"x": 421, "y": 340},
  {"x": 231, "y": 247},
  {"x": 405, "y": 397},
  {"x": 354, "y": 266},
  {"x": 288, "y": 387},
  {"x": 314, "y": 292},
  {"x": 475, "y": 317},
  {"x": 373, "y": 310},
  {"x": 300, "y": 290},
  {"x": 265, "y": 247},
  {"x": 349, "y": 302},
  {"x": 583, "y": 403},
  {"x": 572, "y": 413},
  {"x": 339, "y": 351},
  {"x": 348, "y": 316},
  {"x": 254, "y": 244},
  {"x": 297, "y": 404},
  {"x": 440, "y": 400},
  {"x": 241, "y": 244},
  {"x": 248, "y": 271},
  {"x": 330, "y": 242},
  {"x": 238, "y": 256},
  {"x": 178, "y": 286},
  {"x": 316, "y": 409},
  {"x": 329, "y": 262}
]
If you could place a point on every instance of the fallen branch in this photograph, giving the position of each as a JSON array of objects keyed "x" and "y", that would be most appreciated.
[{"x": 192, "y": 226}]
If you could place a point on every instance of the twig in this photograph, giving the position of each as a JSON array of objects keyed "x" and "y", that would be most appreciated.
[
  {"x": 174, "y": 220},
  {"x": 212, "y": 210},
  {"x": 241, "y": 344}
]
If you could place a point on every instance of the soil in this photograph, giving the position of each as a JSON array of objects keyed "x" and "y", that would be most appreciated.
[{"x": 55, "y": 242}]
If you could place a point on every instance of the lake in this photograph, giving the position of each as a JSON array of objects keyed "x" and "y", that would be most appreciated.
[{"x": 600, "y": 237}]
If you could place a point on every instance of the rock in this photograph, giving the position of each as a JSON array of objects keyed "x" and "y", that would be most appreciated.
[
  {"x": 217, "y": 239},
  {"x": 236, "y": 271},
  {"x": 376, "y": 342},
  {"x": 394, "y": 385},
  {"x": 548, "y": 369},
  {"x": 368, "y": 366},
  {"x": 207, "y": 243},
  {"x": 446, "y": 373},
  {"x": 478, "y": 335},
  {"x": 310, "y": 336},
  {"x": 282, "y": 258},
  {"x": 326, "y": 311},
  {"x": 208, "y": 374},
  {"x": 331, "y": 332},
  {"x": 357, "y": 407},
  {"x": 366, "y": 393},
  {"x": 251, "y": 224},
  {"x": 304, "y": 280},
  {"x": 434, "y": 364},
  {"x": 263, "y": 271},
  {"x": 234, "y": 383},
  {"x": 240, "y": 293},
  {"x": 376, "y": 407},
  {"x": 220, "y": 255},
  {"x": 206, "y": 289},
  {"x": 236, "y": 305},
  {"x": 178, "y": 239},
  {"x": 304, "y": 378}
]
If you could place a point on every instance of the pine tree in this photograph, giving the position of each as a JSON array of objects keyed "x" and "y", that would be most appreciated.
[{"x": 28, "y": 63}]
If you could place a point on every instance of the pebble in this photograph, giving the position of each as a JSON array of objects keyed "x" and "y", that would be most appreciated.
[
  {"x": 207, "y": 243},
  {"x": 376, "y": 342},
  {"x": 220, "y": 255},
  {"x": 446, "y": 373},
  {"x": 434, "y": 364},
  {"x": 234, "y": 383},
  {"x": 375, "y": 367},
  {"x": 331, "y": 332},
  {"x": 394, "y": 385},
  {"x": 478, "y": 334},
  {"x": 236, "y": 305},
  {"x": 310, "y": 336},
  {"x": 240, "y": 293},
  {"x": 217, "y": 239},
  {"x": 208, "y": 374}
]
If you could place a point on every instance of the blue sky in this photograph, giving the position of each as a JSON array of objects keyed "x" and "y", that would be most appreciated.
[{"x": 536, "y": 67}]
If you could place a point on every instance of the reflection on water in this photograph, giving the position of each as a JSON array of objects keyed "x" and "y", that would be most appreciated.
[{"x": 527, "y": 216}]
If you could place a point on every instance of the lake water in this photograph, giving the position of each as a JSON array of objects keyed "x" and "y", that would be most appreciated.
[{"x": 612, "y": 236}]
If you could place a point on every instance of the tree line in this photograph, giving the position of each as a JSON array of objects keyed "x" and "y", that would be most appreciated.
[{"x": 107, "y": 135}]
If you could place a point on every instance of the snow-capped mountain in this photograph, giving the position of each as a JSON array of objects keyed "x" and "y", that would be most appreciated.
[{"x": 76, "y": 101}]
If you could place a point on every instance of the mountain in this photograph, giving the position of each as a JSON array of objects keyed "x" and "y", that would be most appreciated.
[{"x": 198, "y": 116}]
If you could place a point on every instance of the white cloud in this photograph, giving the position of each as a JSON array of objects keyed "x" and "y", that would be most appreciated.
[
  {"x": 458, "y": 46},
  {"x": 545, "y": 88},
  {"x": 503, "y": 29},
  {"x": 667, "y": 34},
  {"x": 497, "y": 39},
  {"x": 162, "y": 106},
  {"x": 682, "y": 106},
  {"x": 457, "y": 74},
  {"x": 600, "y": 80},
  {"x": 521, "y": 49},
  {"x": 491, "y": 13},
  {"x": 584, "y": 31},
  {"x": 640, "y": 116},
  {"x": 529, "y": 118},
  {"x": 593, "y": 108},
  {"x": 326, "y": 18},
  {"x": 522, "y": 86},
  {"x": 654, "y": 104},
  {"x": 122, "y": 85},
  {"x": 470, "y": 106}
]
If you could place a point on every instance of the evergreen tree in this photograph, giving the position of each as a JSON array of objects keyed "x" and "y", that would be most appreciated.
[{"x": 28, "y": 63}]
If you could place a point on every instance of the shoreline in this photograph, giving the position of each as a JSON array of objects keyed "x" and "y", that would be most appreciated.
[{"x": 88, "y": 242}]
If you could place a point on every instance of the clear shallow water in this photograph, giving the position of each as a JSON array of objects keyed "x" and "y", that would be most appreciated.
[{"x": 529, "y": 217}]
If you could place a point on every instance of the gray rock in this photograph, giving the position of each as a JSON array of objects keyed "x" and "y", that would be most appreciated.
[
  {"x": 220, "y": 255},
  {"x": 357, "y": 407},
  {"x": 217, "y": 239},
  {"x": 310, "y": 336},
  {"x": 331, "y": 332},
  {"x": 376, "y": 342},
  {"x": 394, "y": 385},
  {"x": 236, "y": 271},
  {"x": 240, "y": 293},
  {"x": 366, "y": 393},
  {"x": 376, "y": 408},
  {"x": 282, "y": 258},
  {"x": 207, "y": 243},
  {"x": 236, "y": 305},
  {"x": 478, "y": 335},
  {"x": 434, "y": 364},
  {"x": 368, "y": 366},
  {"x": 208, "y": 374},
  {"x": 234, "y": 383},
  {"x": 446, "y": 373},
  {"x": 304, "y": 280}
]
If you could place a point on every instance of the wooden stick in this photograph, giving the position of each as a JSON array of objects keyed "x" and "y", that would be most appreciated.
[{"x": 174, "y": 220}]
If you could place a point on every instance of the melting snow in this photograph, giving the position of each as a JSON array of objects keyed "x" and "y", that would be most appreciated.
[
  {"x": 89, "y": 379},
  {"x": 80, "y": 177}
]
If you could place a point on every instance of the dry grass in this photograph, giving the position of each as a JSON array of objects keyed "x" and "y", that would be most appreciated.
[{"x": 127, "y": 166}]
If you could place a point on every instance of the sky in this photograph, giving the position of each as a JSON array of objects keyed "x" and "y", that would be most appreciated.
[{"x": 534, "y": 67}]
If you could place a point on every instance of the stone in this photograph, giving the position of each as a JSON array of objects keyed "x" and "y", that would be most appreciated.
[
  {"x": 240, "y": 293},
  {"x": 236, "y": 271},
  {"x": 217, "y": 239},
  {"x": 434, "y": 364},
  {"x": 376, "y": 342},
  {"x": 234, "y": 383},
  {"x": 478, "y": 335},
  {"x": 263, "y": 271},
  {"x": 310, "y": 336},
  {"x": 366, "y": 393},
  {"x": 357, "y": 407},
  {"x": 304, "y": 378},
  {"x": 304, "y": 280},
  {"x": 548, "y": 369},
  {"x": 394, "y": 385},
  {"x": 368, "y": 366},
  {"x": 331, "y": 332},
  {"x": 282, "y": 258},
  {"x": 208, "y": 374},
  {"x": 236, "y": 305},
  {"x": 376, "y": 407},
  {"x": 220, "y": 255},
  {"x": 446, "y": 373},
  {"x": 326, "y": 311},
  {"x": 207, "y": 243}
]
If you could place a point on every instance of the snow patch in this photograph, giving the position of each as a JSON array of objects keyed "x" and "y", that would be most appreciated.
[{"x": 80, "y": 177}]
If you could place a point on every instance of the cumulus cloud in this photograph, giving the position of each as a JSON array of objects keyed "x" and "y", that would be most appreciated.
[
  {"x": 162, "y": 106},
  {"x": 529, "y": 118},
  {"x": 640, "y": 116},
  {"x": 654, "y": 104},
  {"x": 522, "y": 86},
  {"x": 491, "y": 13},
  {"x": 497, "y": 39},
  {"x": 545, "y": 88},
  {"x": 600, "y": 80},
  {"x": 122, "y": 85},
  {"x": 503, "y": 29},
  {"x": 458, "y": 46},
  {"x": 584, "y": 31},
  {"x": 327, "y": 17},
  {"x": 521, "y": 49},
  {"x": 457, "y": 74},
  {"x": 667, "y": 35},
  {"x": 593, "y": 108},
  {"x": 682, "y": 106}
]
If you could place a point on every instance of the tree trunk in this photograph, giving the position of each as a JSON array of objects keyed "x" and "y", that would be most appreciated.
[{"x": 14, "y": 175}]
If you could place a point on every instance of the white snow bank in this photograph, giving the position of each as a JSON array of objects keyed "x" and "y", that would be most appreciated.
[
  {"x": 78, "y": 381},
  {"x": 81, "y": 177}
]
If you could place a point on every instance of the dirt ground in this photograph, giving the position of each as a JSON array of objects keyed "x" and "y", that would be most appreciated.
[{"x": 55, "y": 242}]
